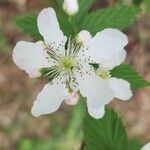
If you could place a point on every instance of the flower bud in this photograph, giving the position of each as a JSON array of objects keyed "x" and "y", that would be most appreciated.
[
  {"x": 72, "y": 99},
  {"x": 83, "y": 37},
  {"x": 34, "y": 74},
  {"x": 71, "y": 7}
]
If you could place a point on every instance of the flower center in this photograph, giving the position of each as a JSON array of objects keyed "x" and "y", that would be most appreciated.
[
  {"x": 103, "y": 73},
  {"x": 66, "y": 63}
]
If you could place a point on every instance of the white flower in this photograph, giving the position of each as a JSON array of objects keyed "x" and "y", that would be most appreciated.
[
  {"x": 106, "y": 48},
  {"x": 67, "y": 64},
  {"x": 146, "y": 147},
  {"x": 71, "y": 7}
]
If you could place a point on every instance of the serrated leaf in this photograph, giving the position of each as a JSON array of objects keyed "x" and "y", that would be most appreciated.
[
  {"x": 107, "y": 133},
  {"x": 117, "y": 17},
  {"x": 129, "y": 74},
  {"x": 28, "y": 24}
]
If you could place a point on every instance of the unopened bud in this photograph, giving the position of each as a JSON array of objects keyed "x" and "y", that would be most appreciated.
[
  {"x": 83, "y": 37},
  {"x": 72, "y": 99},
  {"x": 71, "y": 7}
]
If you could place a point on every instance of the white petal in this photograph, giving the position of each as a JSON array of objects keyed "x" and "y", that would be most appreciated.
[
  {"x": 71, "y": 7},
  {"x": 49, "y": 99},
  {"x": 96, "y": 113},
  {"x": 106, "y": 45},
  {"x": 146, "y": 147},
  {"x": 97, "y": 92},
  {"x": 80, "y": 71},
  {"x": 30, "y": 57},
  {"x": 49, "y": 27},
  {"x": 116, "y": 60},
  {"x": 83, "y": 37},
  {"x": 121, "y": 88},
  {"x": 73, "y": 83}
]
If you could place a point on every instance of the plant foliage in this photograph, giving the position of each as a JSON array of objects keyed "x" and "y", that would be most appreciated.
[
  {"x": 107, "y": 133},
  {"x": 118, "y": 17},
  {"x": 28, "y": 24},
  {"x": 129, "y": 74}
]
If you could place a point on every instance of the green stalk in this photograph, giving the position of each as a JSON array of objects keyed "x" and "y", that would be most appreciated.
[{"x": 74, "y": 133}]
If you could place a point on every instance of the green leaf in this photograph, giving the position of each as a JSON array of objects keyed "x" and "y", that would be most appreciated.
[
  {"x": 25, "y": 144},
  {"x": 28, "y": 24},
  {"x": 64, "y": 23},
  {"x": 60, "y": 3},
  {"x": 147, "y": 5},
  {"x": 129, "y": 74},
  {"x": 37, "y": 144},
  {"x": 116, "y": 17},
  {"x": 137, "y": 2},
  {"x": 63, "y": 19},
  {"x": 135, "y": 144},
  {"x": 107, "y": 133},
  {"x": 84, "y": 6}
]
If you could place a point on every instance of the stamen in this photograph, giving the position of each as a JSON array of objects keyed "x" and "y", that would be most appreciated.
[
  {"x": 50, "y": 51},
  {"x": 103, "y": 73},
  {"x": 64, "y": 62},
  {"x": 73, "y": 48}
]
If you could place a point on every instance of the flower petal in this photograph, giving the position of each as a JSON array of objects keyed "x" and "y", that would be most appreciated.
[
  {"x": 49, "y": 99},
  {"x": 146, "y": 147},
  {"x": 121, "y": 88},
  {"x": 83, "y": 37},
  {"x": 97, "y": 92},
  {"x": 108, "y": 46},
  {"x": 49, "y": 27},
  {"x": 96, "y": 113},
  {"x": 116, "y": 60},
  {"x": 30, "y": 57}
]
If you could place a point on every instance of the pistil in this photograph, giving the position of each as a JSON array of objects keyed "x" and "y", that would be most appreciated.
[{"x": 66, "y": 64}]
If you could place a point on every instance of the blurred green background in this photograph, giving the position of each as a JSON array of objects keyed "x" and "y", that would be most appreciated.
[{"x": 19, "y": 130}]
